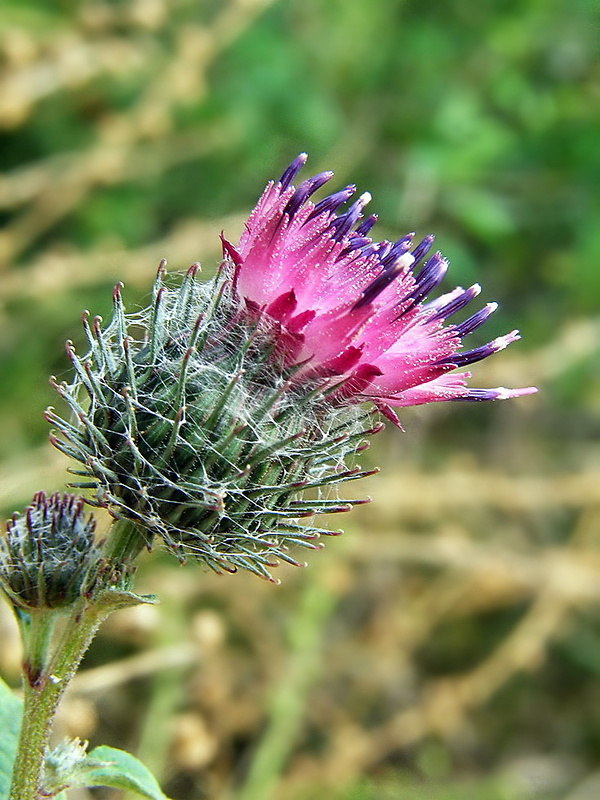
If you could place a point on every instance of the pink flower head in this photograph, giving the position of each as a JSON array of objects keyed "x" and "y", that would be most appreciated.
[{"x": 351, "y": 311}]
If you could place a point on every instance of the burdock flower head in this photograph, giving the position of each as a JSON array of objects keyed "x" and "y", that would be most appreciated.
[{"x": 227, "y": 410}]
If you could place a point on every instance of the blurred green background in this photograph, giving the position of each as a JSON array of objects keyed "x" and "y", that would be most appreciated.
[{"x": 448, "y": 647}]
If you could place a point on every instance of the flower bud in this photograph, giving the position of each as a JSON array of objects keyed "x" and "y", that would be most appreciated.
[{"x": 48, "y": 555}]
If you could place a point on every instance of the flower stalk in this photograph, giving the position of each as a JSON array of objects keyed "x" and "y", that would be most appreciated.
[
  {"x": 124, "y": 544},
  {"x": 43, "y": 690}
]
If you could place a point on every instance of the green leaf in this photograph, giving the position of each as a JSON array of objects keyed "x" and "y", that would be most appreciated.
[
  {"x": 10, "y": 724},
  {"x": 106, "y": 766},
  {"x": 115, "y": 598}
]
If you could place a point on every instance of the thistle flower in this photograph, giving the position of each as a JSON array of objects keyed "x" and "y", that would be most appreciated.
[
  {"x": 224, "y": 413},
  {"x": 48, "y": 555},
  {"x": 352, "y": 310}
]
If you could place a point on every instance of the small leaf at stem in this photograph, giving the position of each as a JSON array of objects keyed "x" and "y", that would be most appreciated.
[
  {"x": 117, "y": 598},
  {"x": 103, "y": 766}
]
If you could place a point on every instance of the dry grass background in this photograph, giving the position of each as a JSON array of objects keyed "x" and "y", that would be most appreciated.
[{"x": 448, "y": 645}]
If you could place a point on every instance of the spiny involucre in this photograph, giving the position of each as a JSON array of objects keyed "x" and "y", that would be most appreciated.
[{"x": 227, "y": 410}]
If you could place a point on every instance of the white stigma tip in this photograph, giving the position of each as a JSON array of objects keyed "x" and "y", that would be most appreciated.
[
  {"x": 405, "y": 261},
  {"x": 503, "y": 341},
  {"x": 502, "y": 393},
  {"x": 365, "y": 198}
]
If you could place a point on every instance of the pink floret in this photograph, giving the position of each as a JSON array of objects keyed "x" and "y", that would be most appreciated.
[{"x": 353, "y": 312}]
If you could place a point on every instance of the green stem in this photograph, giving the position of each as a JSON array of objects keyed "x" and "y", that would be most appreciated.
[
  {"x": 39, "y": 707},
  {"x": 36, "y": 633},
  {"x": 43, "y": 691},
  {"x": 125, "y": 542}
]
